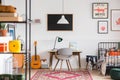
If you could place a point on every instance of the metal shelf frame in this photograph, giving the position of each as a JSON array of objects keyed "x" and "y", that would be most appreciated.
[{"x": 27, "y": 37}]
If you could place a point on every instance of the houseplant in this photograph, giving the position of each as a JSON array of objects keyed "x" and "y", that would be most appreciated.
[{"x": 3, "y": 29}]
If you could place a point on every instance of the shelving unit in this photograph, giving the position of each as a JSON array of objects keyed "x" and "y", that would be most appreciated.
[
  {"x": 27, "y": 36},
  {"x": 13, "y": 21}
]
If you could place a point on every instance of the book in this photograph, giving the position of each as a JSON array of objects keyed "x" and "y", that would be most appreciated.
[
  {"x": 8, "y": 14},
  {"x": 11, "y": 19},
  {"x": 44, "y": 66}
]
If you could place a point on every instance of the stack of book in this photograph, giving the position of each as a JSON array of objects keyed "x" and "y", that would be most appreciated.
[
  {"x": 10, "y": 17},
  {"x": 45, "y": 66}
]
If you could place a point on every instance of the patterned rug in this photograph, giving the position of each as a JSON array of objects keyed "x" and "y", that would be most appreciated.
[{"x": 61, "y": 75}]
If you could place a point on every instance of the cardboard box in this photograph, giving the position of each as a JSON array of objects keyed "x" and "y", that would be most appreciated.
[{"x": 3, "y": 47}]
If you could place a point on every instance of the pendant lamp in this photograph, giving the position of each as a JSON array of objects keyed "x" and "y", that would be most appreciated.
[{"x": 62, "y": 20}]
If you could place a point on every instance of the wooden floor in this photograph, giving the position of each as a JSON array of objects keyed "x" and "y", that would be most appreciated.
[
  {"x": 97, "y": 76},
  {"x": 94, "y": 73}
]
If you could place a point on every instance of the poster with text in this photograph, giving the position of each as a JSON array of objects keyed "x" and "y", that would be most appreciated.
[{"x": 100, "y": 10}]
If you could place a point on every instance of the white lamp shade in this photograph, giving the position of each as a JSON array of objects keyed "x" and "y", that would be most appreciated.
[{"x": 62, "y": 20}]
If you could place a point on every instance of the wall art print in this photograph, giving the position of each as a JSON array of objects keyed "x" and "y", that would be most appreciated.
[
  {"x": 115, "y": 20},
  {"x": 100, "y": 10},
  {"x": 102, "y": 27},
  {"x": 11, "y": 30},
  {"x": 52, "y": 20}
]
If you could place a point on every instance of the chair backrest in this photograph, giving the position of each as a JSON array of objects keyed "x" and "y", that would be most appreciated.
[{"x": 65, "y": 51}]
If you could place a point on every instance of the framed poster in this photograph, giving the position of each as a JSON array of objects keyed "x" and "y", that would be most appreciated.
[
  {"x": 102, "y": 27},
  {"x": 52, "y": 20},
  {"x": 115, "y": 20},
  {"x": 100, "y": 10},
  {"x": 11, "y": 30}
]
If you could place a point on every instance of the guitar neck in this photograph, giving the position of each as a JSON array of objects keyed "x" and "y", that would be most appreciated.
[
  {"x": 35, "y": 43},
  {"x": 35, "y": 53}
]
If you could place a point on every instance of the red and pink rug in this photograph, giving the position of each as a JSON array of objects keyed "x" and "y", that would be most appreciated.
[{"x": 61, "y": 75}]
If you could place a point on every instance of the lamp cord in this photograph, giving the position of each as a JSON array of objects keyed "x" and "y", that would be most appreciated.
[{"x": 62, "y": 6}]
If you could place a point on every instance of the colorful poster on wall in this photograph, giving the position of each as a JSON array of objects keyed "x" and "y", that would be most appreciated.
[
  {"x": 115, "y": 20},
  {"x": 100, "y": 10},
  {"x": 102, "y": 27}
]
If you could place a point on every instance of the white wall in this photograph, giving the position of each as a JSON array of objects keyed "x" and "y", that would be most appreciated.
[{"x": 84, "y": 27}]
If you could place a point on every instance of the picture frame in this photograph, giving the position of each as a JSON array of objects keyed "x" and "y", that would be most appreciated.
[
  {"x": 99, "y": 10},
  {"x": 102, "y": 27},
  {"x": 11, "y": 30},
  {"x": 52, "y": 22},
  {"x": 115, "y": 20},
  {"x": 73, "y": 45}
]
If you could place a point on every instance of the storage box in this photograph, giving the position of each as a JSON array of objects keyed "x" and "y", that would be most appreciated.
[
  {"x": 44, "y": 63},
  {"x": 3, "y": 47},
  {"x": 11, "y": 77}
]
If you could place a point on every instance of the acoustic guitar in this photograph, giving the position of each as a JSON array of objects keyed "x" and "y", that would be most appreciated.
[{"x": 35, "y": 62}]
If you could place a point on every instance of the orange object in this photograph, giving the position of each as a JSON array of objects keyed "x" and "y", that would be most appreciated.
[
  {"x": 3, "y": 47},
  {"x": 7, "y": 8},
  {"x": 35, "y": 62},
  {"x": 20, "y": 60},
  {"x": 114, "y": 53},
  {"x": 3, "y": 32}
]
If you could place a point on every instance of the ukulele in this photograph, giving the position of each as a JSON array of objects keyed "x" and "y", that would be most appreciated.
[{"x": 35, "y": 62}]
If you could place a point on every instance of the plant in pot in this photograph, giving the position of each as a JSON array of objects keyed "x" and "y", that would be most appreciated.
[{"x": 3, "y": 29}]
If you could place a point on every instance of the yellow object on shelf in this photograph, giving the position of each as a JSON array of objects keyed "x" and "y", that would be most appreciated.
[{"x": 15, "y": 46}]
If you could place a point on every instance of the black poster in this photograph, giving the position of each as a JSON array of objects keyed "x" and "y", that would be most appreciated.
[{"x": 53, "y": 19}]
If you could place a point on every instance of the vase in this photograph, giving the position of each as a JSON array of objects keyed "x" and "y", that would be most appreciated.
[{"x": 3, "y": 32}]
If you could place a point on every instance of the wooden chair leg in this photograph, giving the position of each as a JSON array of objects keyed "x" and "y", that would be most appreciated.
[
  {"x": 70, "y": 65},
  {"x": 67, "y": 65},
  {"x": 61, "y": 65},
  {"x": 56, "y": 64},
  {"x": 87, "y": 65}
]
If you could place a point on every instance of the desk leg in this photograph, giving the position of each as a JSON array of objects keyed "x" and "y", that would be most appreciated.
[
  {"x": 51, "y": 58},
  {"x": 79, "y": 60}
]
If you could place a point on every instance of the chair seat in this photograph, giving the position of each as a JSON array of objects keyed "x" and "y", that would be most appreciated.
[
  {"x": 63, "y": 57},
  {"x": 64, "y": 54}
]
